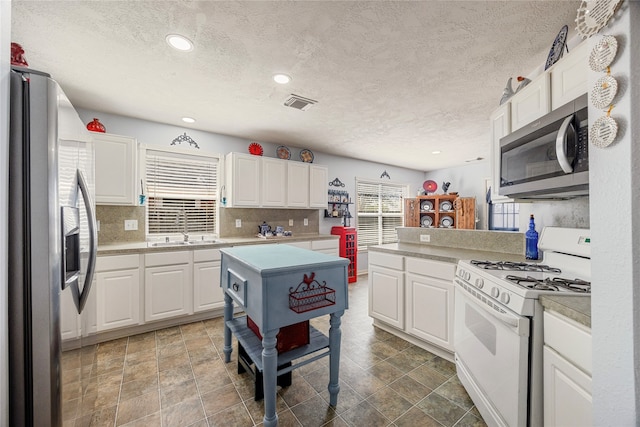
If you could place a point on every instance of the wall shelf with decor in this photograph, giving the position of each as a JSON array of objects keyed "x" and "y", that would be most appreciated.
[
  {"x": 338, "y": 202},
  {"x": 440, "y": 211}
]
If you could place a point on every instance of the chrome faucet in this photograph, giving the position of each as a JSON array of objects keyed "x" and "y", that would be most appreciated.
[{"x": 185, "y": 231}]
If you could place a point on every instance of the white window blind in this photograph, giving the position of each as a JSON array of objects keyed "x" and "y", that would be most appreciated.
[
  {"x": 380, "y": 209},
  {"x": 182, "y": 192}
]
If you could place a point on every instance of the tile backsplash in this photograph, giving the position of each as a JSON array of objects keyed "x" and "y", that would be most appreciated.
[{"x": 112, "y": 222}]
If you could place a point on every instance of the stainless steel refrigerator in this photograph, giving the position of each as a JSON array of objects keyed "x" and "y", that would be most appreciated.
[{"x": 52, "y": 243}]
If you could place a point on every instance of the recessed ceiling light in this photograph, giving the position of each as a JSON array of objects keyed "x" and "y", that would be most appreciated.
[
  {"x": 188, "y": 120},
  {"x": 179, "y": 42},
  {"x": 283, "y": 79},
  {"x": 436, "y": 152}
]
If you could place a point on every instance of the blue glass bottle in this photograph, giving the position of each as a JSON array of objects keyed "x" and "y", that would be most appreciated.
[{"x": 531, "y": 239}]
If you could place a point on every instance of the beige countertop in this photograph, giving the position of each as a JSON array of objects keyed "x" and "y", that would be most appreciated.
[
  {"x": 573, "y": 307},
  {"x": 142, "y": 247},
  {"x": 444, "y": 253}
]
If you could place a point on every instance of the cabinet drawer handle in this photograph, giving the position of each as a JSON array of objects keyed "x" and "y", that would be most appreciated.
[{"x": 235, "y": 287}]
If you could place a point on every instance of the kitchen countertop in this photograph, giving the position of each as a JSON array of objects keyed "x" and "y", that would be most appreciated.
[
  {"x": 575, "y": 308},
  {"x": 444, "y": 253},
  {"x": 142, "y": 247}
]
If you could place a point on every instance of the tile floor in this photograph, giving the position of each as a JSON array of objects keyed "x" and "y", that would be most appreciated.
[{"x": 177, "y": 377}]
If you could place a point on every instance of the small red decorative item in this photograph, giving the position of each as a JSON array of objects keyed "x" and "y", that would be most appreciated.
[
  {"x": 430, "y": 186},
  {"x": 255, "y": 149},
  {"x": 96, "y": 126},
  {"x": 17, "y": 55}
]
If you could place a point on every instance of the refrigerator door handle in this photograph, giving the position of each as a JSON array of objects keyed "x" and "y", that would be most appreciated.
[{"x": 93, "y": 240}]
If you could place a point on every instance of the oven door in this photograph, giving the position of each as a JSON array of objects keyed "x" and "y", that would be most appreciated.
[{"x": 492, "y": 357}]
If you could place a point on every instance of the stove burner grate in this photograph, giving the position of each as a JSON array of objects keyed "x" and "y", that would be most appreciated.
[
  {"x": 552, "y": 284},
  {"x": 514, "y": 266}
]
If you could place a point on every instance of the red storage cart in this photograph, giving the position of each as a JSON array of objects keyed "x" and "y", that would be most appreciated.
[{"x": 348, "y": 249}]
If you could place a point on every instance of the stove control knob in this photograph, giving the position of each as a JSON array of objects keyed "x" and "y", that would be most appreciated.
[
  {"x": 495, "y": 292},
  {"x": 460, "y": 273},
  {"x": 467, "y": 276},
  {"x": 479, "y": 283},
  {"x": 505, "y": 298}
]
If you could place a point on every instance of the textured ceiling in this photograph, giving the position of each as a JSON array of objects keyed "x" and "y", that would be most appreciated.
[{"x": 394, "y": 81}]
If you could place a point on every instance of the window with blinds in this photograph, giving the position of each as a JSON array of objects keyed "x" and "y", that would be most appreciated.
[
  {"x": 380, "y": 209},
  {"x": 182, "y": 192}
]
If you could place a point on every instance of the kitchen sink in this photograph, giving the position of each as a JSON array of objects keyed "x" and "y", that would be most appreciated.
[{"x": 183, "y": 243}]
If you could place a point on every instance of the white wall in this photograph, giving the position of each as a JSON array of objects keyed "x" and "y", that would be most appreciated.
[
  {"x": 339, "y": 167},
  {"x": 5, "y": 55},
  {"x": 614, "y": 178}
]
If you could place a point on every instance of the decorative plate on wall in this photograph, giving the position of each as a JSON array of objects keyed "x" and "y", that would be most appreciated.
[
  {"x": 604, "y": 91},
  {"x": 255, "y": 149},
  {"x": 283, "y": 152},
  {"x": 603, "y": 53},
  {"x": 595, "y": 14},
  {"x": 603, "y": 131}
]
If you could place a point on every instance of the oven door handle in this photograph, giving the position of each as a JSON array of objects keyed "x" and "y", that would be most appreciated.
[{"x": 518, "y": 324}]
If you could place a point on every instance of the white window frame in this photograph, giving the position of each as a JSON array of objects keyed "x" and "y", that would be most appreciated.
[
  {"x": 212, "y": 196},
  {"x": 404, "y": 188}
]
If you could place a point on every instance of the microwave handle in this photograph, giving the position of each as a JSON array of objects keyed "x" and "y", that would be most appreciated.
[{"x": 561, "y": 147}]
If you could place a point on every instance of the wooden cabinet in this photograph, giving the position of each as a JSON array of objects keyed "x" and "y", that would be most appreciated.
[
  {"x": 117, "y": 291},
  {"x": 569, "y": 76},
  {"x": 255, "y": 181},
  {"x": 429, "y": 300},
  {"x": 441, "y": 211},
  {"x": 500, "y": 122},
  {"x": 318, "y": 181},
  {"x": 531, "y": 102},
  {"x": 273, "y": 183},
  {"x": 386, "y": 288},
  {"x": 566, "y": 372},
  {"x": 116, "y": 172},
  {"x": 411, "y": 212},
  {"x": 207, "y": 294},
  {"x": 297, "y": 185},
  {"x": 168, "y": 285}
]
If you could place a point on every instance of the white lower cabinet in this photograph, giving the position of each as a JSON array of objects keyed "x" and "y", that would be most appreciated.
[
  {"x": 429, "y": 301},
  {"x": 207, "y": 293},
  {"x": 386, "y": 288},
  {"x": 415, "y": 296},
  {"x": 167, "y": 285},
  {"x": 329, "y": 247},
  {"x": 117, "y": 291},
  {"x": 566, "y": 372}
]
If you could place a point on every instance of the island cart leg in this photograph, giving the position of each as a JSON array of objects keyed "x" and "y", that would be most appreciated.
[
  {"x": 335, "y": 335},
  {"x": 269, "y": 375},
  {"x": 228, "y": 315}
]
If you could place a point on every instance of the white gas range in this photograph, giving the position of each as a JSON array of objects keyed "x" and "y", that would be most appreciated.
[{"x": 498, "y": 324}]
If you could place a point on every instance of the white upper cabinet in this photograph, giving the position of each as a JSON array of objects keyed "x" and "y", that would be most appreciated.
[
  {"x": 116, "y": 172},
  {"x": 500, "y": 121},
  {"x": 254, "y": 181},
  {"x": 242, "y": 180},
  {"x": 298, "y": 185},
  {"x": 531, "y": 102},
  {"x": 318, "y": 182},
  {"x": 569, "y": 76},
  {"x": 274, "y": 182}
]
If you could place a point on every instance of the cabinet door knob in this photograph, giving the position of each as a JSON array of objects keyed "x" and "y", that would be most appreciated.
[{"x": 235, "y": 287}]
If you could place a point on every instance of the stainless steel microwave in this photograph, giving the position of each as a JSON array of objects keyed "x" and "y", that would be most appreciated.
[{"x": 549, "y": 157}]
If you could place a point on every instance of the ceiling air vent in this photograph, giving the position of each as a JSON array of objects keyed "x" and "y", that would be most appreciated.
[{"x": 299, "y": 102}]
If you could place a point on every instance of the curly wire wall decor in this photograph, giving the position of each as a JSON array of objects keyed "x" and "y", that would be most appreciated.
[{"x": 185, "y": 138}]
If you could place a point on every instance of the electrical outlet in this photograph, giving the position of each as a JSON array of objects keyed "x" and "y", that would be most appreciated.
[
  {"x": 290, "y": 223},
  {"x": 238, "y": 223},
  {"x": 425, "y": 238},
  {"x": 306, "y": 221},
  {"x": 130, "y": 224}
]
